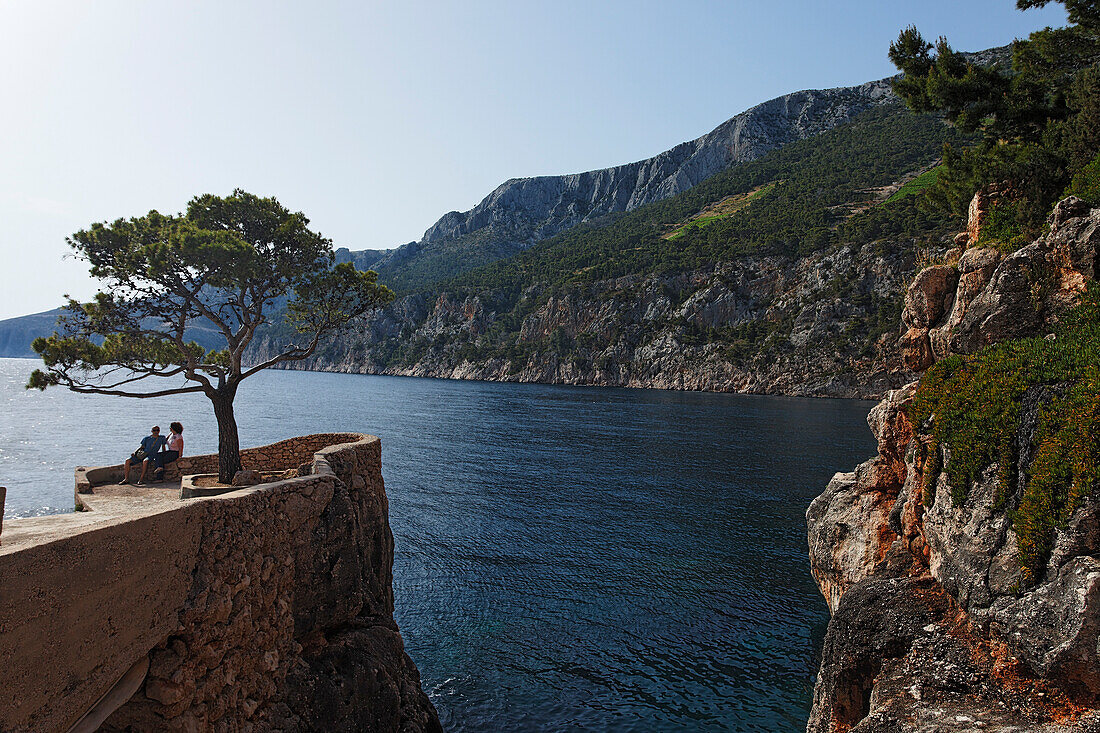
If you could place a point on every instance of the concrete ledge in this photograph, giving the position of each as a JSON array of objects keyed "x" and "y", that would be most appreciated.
[
  {"x": 188, "y": 489},
  {"x": 286, "y": 454}
]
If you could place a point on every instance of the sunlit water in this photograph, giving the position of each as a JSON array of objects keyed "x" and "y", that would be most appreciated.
[{"x": 567, "y": 558}]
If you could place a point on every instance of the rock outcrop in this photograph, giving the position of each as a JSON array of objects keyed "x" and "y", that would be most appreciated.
[
  {"x": 989, "y": 297},
  {"x": 935, "y": 626}
]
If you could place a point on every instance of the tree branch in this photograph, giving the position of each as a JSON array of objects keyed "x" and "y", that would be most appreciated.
[
  {"x": 294, "y": 354},
  {"x": 139, "y": 395}
]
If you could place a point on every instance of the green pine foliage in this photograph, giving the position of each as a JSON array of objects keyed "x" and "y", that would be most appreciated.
[
  {"x": 1039, "y": 119},
  {"x": 1086, "y": 183}
]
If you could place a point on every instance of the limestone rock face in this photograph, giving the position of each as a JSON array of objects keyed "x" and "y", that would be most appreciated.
[
  {"x": 989, "y": 297},
  {"x": 972, "y": 549},
  {"x": 849, "y": 524},
  {"x": 1055, "y": 628},
  {"x": 997, "y": 647},
  {"x": 898, "y": 657},
  {"x": 916, "y": 349},
  {"x": 875, "y": 623},
  {"x": 929, "y": 296}
]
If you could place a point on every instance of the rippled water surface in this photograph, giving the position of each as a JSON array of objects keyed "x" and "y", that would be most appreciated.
[{"x": 567, "y": 558}]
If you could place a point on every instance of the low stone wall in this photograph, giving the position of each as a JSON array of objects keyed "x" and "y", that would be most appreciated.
[
  {"x": 286, "y": 454},
  {"x": 265, "y": 608}
]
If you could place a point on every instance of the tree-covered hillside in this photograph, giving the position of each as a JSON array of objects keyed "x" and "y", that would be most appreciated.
[{"x": 524, "y": 211}]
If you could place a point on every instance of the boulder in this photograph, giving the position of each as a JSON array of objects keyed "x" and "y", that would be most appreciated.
[
  {"x": 1055, "y": 628},
  {"x": 247, "y": 477},
  {"x": 876, "y": 622},
  {"x": 1003, "y": 299},
  {"x": 972, "y": 549},
  {"x": 929, "y": 296},
  {"x": 916, "y": 349}
]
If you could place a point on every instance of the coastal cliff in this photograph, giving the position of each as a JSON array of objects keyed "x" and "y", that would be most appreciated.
[
  {"x": 814, "y": 325},
  {"x": 964, "y": 585},
  {"x": 781, "y": 275},
  {"x": 266, "y": 608}
]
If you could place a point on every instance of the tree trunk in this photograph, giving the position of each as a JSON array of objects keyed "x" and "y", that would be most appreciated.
[{"x": 229, "y": 445}]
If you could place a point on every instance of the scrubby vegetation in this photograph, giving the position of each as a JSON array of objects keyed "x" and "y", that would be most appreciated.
[
  {"x": 1040, "y": 134},
  {"x": 971, "y": 406},
  {"x": 722, "y": 209}
]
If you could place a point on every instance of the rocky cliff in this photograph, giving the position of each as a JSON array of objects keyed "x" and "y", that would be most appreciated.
[
  {"x": 812, "y": 325},
  {"x": 944, "y": 617}
]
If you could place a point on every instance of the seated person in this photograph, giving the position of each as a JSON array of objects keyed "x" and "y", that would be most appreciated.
[
  {"x": 175, "y": 450},
  {"x": 150, "y": 446}
]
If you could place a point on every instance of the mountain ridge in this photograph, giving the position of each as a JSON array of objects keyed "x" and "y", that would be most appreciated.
[
  {"x": 522, "y": 211},
  {"x": 525, "y": 210}
]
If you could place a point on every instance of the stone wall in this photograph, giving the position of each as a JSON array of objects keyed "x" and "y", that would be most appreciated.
[{"x": 265, "y": 608}]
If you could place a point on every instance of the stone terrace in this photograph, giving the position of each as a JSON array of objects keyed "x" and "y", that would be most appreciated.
[
  {"x": 261, "y": 608},
  {"x": 107, "y": 501}
]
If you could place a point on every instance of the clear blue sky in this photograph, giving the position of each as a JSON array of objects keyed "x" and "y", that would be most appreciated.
[{"x": 376, "y": 118}]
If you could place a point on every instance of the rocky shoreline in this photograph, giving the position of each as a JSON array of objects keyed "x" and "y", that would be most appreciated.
[{"x": 763, "y": 324}]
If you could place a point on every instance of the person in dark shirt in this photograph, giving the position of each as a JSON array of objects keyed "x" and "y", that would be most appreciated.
[{"x": 150, "y": 445}]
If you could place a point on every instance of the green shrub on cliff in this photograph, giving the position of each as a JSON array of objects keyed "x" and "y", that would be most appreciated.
[
  {"x": 971, "y": 406},
  {"x": 1086, "y": 183}
]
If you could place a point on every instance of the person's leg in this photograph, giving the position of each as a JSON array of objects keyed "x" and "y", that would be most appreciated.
[
  {"x": 158, "y": 463},
  {"x": 126, "y": 472},
  {"x": 144, "y": 468}
]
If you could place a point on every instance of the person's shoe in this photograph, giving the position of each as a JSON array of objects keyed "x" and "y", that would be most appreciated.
[
  {"x": 141, "y": 482},
  {"x": 123, "y": 481}
]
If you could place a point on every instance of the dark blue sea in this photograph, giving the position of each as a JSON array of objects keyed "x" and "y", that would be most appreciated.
[{"x": 567, "y": 559}]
